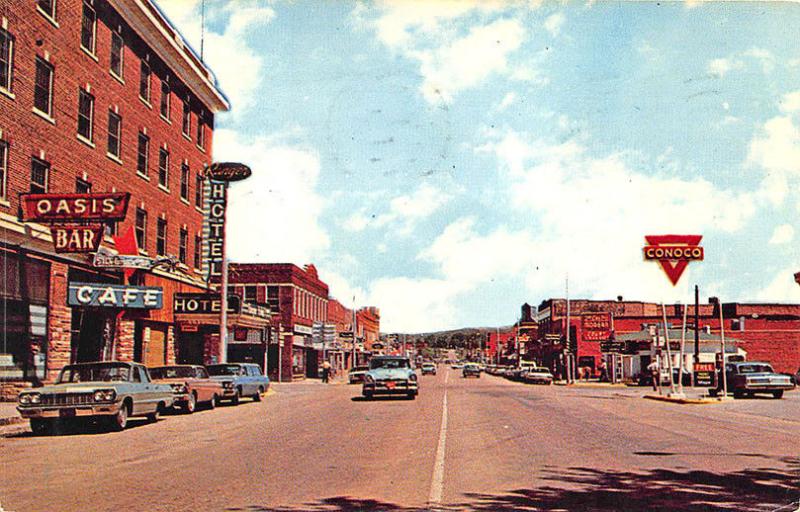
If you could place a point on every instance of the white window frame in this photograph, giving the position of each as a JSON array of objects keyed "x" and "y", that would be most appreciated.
[
  {"x": 11, "y": 41},
  {"x": 114, "y": 35},
  {"x": 93, "y": 49}
]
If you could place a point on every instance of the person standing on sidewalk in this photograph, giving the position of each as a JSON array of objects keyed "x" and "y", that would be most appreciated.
[
  {"x": 654, "y": 374},
  {"x": 326, "y": 371}
]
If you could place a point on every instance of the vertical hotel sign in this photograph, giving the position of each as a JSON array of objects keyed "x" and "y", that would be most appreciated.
[{"x": 216, "y": 199}]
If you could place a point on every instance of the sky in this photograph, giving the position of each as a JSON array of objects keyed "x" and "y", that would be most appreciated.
[{"x": 448, "y": 161}]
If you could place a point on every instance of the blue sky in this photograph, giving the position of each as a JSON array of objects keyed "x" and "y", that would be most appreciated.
[{"x": 448, "y": 161}]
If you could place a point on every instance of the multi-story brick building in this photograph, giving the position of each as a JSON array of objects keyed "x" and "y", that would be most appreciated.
[
  {"x": 368, "y": 325},
  {"x": 297, "y": 299},
  {"x": 98, "y": 96}
]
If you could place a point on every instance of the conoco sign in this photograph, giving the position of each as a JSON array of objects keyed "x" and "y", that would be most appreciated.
[
  {"x": 673, "y": 253},
  {"x": 74, "y": 207},
  {"x": 229, "y": 171}
]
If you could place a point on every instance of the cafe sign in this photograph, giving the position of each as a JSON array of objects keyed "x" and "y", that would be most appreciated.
[
  {"x": 110, "y": 206},
  {"x": 673, "y": 253},
  {"x": 114, "y": 296}
]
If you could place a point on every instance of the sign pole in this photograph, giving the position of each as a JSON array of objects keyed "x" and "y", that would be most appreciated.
[
  {"x": 669, "y": 353},
  {"x": 696, "y": 329},
  {"x": 569, "y": 356},
  {"x": 353, "y": 328},
  {"x": 223, "y": 314},
  {"x": 722, "y": 341},
  {"x": 680, "y": 359}
]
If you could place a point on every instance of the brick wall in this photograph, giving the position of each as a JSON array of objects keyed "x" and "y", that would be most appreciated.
[{"x": 59, "y": 322}]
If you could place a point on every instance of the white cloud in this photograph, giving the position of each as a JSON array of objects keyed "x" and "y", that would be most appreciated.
[
  {"x": 553, "y": 23},
  {"x": 415, "y": 305},
  {"x": 720, "y": 67},
  {"x": 782, "y": 288},
  {"x": 764, "y": 57},
  {"x": 237, "y": 65},
  {"x": 405, "y": 211},
  {"x": 454, "y": 50},
  {"x": 274, "y": 215},
  {"x": 776, "y": 149},
  {"x": 598, "y": 209},
  {"x": 509, "y": 99},
  {"x": 782, "y": 234},
  {"x": 791, "y": 102}
]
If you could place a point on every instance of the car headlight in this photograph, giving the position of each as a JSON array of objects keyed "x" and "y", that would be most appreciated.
[
  {"x": 36, "y": 398},
  {"x": 105, "y": 395},
  {"x": 413, "y": 376},
  {"x": 227, "y": 384},
  {"x": 25, "y": 399}
]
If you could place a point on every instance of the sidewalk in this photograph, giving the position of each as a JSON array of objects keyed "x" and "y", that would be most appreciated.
[
  {"x": 589, "y": 384},
  {"x": 9, "y": 414},
  {"x": 696, "y": 396}
]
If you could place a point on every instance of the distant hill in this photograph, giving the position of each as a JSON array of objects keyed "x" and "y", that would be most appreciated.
[{"x": 465, "y": 337}]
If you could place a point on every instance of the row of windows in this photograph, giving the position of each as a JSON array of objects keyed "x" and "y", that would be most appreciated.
[
  {"x": 250, "y": 295},
  {"x": 309, "y": 306},
  {"x": 140, "y": 229},
  {"x": 43, "y": 84}
]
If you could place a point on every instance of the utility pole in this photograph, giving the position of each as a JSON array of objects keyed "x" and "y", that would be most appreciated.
[
  {"x": 568, "y": 353},
  {"x": 722, "y": 372},
  {"x": 696, "y": 328},
  {"x": 353, "y": 327}
]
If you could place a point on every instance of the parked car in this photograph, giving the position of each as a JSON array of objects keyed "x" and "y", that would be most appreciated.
[
  {"x": 748, "y": 378},
  {"x": 537, "y": 375},
  {"x": 471, "y": 370},
  {"x": 428, "y": 368},
  {"x": 356, "y": 374},
  {"x": 191, "y": 385},
  {"x": 110, "y": 391},
  {"x": 239, "y": 380},
  {"x": 457, "y": 366},
  {"x": 390, "y": 375}
]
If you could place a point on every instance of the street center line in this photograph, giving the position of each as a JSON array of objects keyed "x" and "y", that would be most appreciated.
[{"x": 437, "y": 482}]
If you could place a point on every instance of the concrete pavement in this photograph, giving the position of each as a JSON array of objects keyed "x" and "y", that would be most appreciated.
[{"x": 465, "y": 444}]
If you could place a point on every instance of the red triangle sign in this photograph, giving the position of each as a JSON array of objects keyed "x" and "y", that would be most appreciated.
[{"x": 673, "y": 253}]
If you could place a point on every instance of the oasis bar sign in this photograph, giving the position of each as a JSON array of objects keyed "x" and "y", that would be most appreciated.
[
  {"x": 115, "y": 296},
  {"x": 75, "y": 207}
]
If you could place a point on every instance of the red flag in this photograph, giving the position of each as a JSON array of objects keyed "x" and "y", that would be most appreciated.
[{"x": 126, "y": 244}]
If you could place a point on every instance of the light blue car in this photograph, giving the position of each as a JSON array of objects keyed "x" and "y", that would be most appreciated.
[
  {"x": 390, "y": 375},
  {"x": 239, "y": 380}
]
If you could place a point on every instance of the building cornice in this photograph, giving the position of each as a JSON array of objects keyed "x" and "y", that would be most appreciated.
[{"x": 153, "y": 27}]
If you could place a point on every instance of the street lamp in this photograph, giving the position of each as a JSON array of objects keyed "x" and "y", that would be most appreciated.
[{"x": 221, "y": 174}]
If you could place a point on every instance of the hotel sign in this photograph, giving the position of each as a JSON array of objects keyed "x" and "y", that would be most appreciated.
[
  {"x": 203, "y": 304},
  {"x": 74, "y": 207},
  {"x": 673, "y": 253},
  {"x": 214, "y": 228},
  {"x": 114, "y": 296}
]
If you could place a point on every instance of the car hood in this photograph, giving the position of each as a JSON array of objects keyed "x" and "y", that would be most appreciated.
[{"x": 393, "y": 373}]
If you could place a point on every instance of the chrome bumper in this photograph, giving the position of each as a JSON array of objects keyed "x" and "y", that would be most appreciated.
[{"x": 69, "y": 412}]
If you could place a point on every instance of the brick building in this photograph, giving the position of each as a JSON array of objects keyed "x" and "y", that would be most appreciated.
[
  {"x": 297, "y": 299},
  {"x": 98, "y": 96},
  {"x": 368, "y": 325},
  {"x": 765, "y": 332}
]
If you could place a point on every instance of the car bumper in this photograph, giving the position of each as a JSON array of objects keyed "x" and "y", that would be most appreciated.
[
  {"x": 356, "y": 379},
  {"x": 398, "y": 388},
  {"x": 180, "y": 399},
  {"x": 767, "y": 387},
  {"x": 69, "y": 412},
  {"x": 228, "y": 393}
]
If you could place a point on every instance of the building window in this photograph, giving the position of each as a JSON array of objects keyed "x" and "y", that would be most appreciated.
[
  {"x": 198, "y": 249},
  {"x": 48, "y": 7},
  {"x": 43, "y": 89},
  {"x": 85, "y": 114},
  {"x": 88, "y": 28},
  {"x": 273, "y": 298},
  {"x": 39, "y": 176},
  {"x": 251, "y": 294},
  {"x": 141, "y": 228},
  {"x": 161, "y": 237},
  {"x": 3, "y": 167},
  {"x": 186, "y": 120},
  {"x": 165, "y": 100},
  {"x": 201, "y": 133},
  {"x": 163, "y": 168},
  {"x": 117, "y": 53},
  {"x": 6, "y": 60},
  {"x": 83, "y": 186},
  {"x": 114, "y": 134},
  {"x": 144, "y": 81},
  {"x": 185, "y": 182},
  {"x": 143, "y": 155},
  {"x": 198, "y": 191},
  {"x": 184, "y": 241}
]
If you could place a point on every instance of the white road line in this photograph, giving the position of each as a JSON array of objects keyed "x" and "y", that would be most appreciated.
[{"x": 437, "y": 481}]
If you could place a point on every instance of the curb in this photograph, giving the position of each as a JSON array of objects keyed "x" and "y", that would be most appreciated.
[
  {"x": 685, "y": 401},
  {"x": 590, "y": 385}
]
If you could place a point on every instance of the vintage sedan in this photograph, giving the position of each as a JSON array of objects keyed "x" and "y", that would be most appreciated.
[
  {"x": 390, "y": 375},
  {"x": 748, "y": 378},
  {"x": 111, "y": 391},
  {"x": 537, "y": 375},
  {"x": 356, "y": 374},
  {"x": 471, "y": 370},
  {"x": 191, "y": 385},
  {"x": 428, "y": 368},
  {"x": 239, "y": 380}
]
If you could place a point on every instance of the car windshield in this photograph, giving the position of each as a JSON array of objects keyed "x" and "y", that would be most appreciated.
[
  {"x": 104, "y": 372},
  {"x": 540, "y": 370},
  {"x": 172, "y": 372},
  {"x": 755, "y": 368},
  {"x": 388, "y": 363},
  {"x": 223, "y": 369},
  {"x": 427, "y": 365}
]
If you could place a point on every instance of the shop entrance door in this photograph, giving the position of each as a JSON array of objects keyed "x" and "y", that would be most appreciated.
[
  {"x": 156, "y": 349},
  {"x": 89, "y": 335}
]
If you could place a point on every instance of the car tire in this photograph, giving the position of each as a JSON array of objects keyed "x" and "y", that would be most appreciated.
[
  {"x": 257, "y": 396},
  {"x": 153, "y": 416},
  {"x": 41, "y": 426},
  {"x": 411, "y": 396},
  {"x": 368, "y": 396},
  {"x": 212, "y": 404},
  {"x": 191, "y": 404},
  {"x": 120, "y": 420},
  {"x": 236, "y": 396},
  {"x": 737, "y": 394},
  {"x": 777, "y": 394}
]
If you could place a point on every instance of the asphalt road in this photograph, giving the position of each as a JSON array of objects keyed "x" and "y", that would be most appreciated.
[{"x": 477, "y": 444}]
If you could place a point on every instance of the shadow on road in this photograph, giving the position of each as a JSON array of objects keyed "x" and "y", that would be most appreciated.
[
  {"x": 597, "y": 490},
  {"x": 388, "y": 398}
]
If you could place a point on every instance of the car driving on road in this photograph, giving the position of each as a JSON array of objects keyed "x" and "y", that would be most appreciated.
[
  {"x": 471, "y": 370},
  {"x": 428, "y": 368},
  {"x": 537, "y": 375},
  {"x": 390, "y": 375},
  {"x": 748, "y": 378}
]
